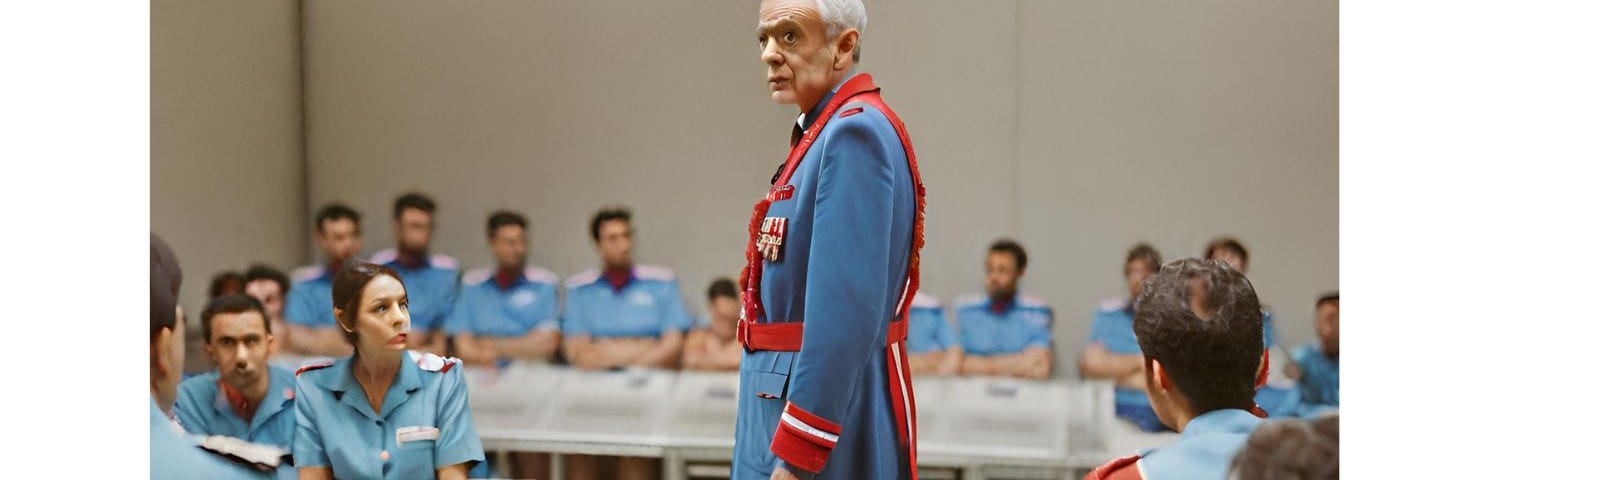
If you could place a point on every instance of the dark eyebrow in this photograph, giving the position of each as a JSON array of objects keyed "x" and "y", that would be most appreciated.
[{"x": 384, "y": 300}]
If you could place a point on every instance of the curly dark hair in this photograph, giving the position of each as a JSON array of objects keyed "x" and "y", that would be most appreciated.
[
  {"x": 1201, "y": 319},
  {"x": 1291, "y": 449}
]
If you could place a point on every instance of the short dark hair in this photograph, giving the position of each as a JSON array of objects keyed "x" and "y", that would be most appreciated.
[
  {"x": 1330, "y": 297},
  {"x": 225, "y": 283},
  {"x": 1006, "y": 245},
  {"x": 235, "y": 303},
  {"x": 1227, "y": 243},
  {"x": 263, "y": 272},
  {"x": 1142, "y": 251},
  {"x": 347, "y": 286},
  {"x": 605, "y": 215},
  {"x": 722, "y": 287},
  {"x": 503, "y": 218},
  {"x": 1290, "y": 448},
  {"x": 165, "y": 278},
  {"x": 1212, "y": 353},
  {"x": 413, "y": 200},
  {"x": 337, "y": 211}
]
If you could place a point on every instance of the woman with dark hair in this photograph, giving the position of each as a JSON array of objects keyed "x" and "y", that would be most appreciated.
[{"x": 383, "y": 412}]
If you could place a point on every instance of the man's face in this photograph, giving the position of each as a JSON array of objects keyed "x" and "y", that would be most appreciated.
[
  {"x": 339, "y": 239},
  {"x": 1328, "y": 327},
  {"x": 1232, "y": 257},
  {"x": 1135, "y": 272},
  {"x": 238, "y": 346},
  {"x": 724, "y": 310},
  {"x": 509, "y": 246},
  {"x": 414, "y": 229},
  {"x": 795, "y": 48},
  {"x": 616, "y": 243},
  {"x": 269, "y": 293},
  {"x": 1000, "y": 274}
]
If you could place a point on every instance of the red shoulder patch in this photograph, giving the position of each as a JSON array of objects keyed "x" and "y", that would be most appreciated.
[
  {"x": 1120, "y": 469},
  {"x": 310, "y": 367},
  {"x": 850, "y": 112}
]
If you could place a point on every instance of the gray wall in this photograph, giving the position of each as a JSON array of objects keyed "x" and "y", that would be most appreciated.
[
  {"x": 226, "y": 169},
  {"x": 1078, "y": 128}
]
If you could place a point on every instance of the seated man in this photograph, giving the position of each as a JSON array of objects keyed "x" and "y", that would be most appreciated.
[
  {"x": 621, "y": 316},
  {"x": 1278, "y": 397},
  {"x": 930, "y": 342},
  {"x": 245, "y": 397},
  {"x": 308, "y": 310},
  {"x": 511, "y": 311},
  {"x": 1113, "y": 351},
  {"x": 1316, "y": 363},
  {"x": 1004, "y": 332},
  {"x": 269, "y": 286},
  {"x": 430, "y": 279},
  {"x": 715, "y": 347},
  {"x": 173, "y": 453},
  {"x": 1199, "y": 325}
]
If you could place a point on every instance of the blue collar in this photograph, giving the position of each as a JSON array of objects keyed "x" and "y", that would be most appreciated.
[
  {"x": 1225, "y": 421},
  {"x": 343, "y": 383}
]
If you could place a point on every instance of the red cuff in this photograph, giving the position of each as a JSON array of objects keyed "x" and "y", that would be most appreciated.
[{"x": 803, "y": 439}]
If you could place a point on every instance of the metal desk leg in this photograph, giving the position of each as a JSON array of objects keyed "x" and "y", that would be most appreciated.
[
  {"x": 972, "y": 472},
  {"x": 502, "y": 461},
  {"x": 558, "y": 467},
  {"x": 676, "y": 468}
]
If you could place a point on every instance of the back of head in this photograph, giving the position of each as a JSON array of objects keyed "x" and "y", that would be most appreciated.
[
  {"x": 1290, "y": 449},
  {"x": 165, "y": 278},
  {"x": 1202, "y": 321}
]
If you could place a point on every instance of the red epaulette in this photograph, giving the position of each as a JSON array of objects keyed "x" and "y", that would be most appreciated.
[
  {"x": 311, "y": 366},
  {"x": 1125, "y": 468}
]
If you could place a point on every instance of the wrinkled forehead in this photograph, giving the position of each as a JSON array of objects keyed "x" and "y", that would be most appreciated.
[{"x": 776, "y": 13}]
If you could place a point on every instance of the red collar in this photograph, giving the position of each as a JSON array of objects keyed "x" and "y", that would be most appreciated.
[
  {"x": 236, "y": 401},
  {"x": 618, "y": 277},
  {"x": 507, "y": 277},
  {"x": 998, "y": 306}
]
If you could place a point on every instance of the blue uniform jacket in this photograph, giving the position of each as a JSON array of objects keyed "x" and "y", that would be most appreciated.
[
  {"x": 929, "y": 332},
  {"x": 1024, "y": 324},
  {"x": 841, "y": 270},
  {"x": 483, "y": 308},
  {"x": 310, "y": 301},
  {"x": 424, "y": 423},
  {"x": 649, "y": 305},
  {"x": 175, "y": 456},
  {"x": 431, "y": 288},
  {"x": 202, "y": 408}
]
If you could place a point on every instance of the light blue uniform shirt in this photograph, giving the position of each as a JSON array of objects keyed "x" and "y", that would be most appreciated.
[
  {"x": 203, "y": 409},
  {"x": 1025, "y": 323},
  {"x": 929, "y": 332},
  {"x": 1204, "y": 450},
  {"x": 1319, "y": 375},
  {"x": 430, "y": 287},
  {"x": 424, "y": 423},
  {"x": 483, "y": 308},
  {"x": 647, "y": 306},
  {"x": 1113, "y": 328},
  {"x": 310, "y": 300},
  {"x": 175, "y": 456}
]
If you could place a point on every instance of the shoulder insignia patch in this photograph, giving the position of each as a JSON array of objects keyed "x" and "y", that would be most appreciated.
[
  {"x": 433, "y": 363},
  {"x": 477, "y": 276},
  {"x": 307, "y": 273},
  {"x": 312, "y": 366}
]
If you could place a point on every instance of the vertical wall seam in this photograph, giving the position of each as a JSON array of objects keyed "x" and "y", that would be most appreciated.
[{"x": 304, "y": 206}]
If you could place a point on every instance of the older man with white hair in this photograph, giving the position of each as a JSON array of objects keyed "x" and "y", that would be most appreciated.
[{"x": 832, "y": 265}]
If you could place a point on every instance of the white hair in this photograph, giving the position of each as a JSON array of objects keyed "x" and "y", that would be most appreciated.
[{"x": 841, "y": 15}]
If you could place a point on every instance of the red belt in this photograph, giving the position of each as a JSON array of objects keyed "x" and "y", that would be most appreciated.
[{"x": 785, "y": 336}]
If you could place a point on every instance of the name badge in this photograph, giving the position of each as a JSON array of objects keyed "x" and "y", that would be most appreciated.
[
  {"x": 416, "y": 433},
  {"x": 770, "y": 241}
]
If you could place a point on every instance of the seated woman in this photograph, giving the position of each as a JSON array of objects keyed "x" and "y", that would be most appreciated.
[{"x": 383, "y": 412}]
